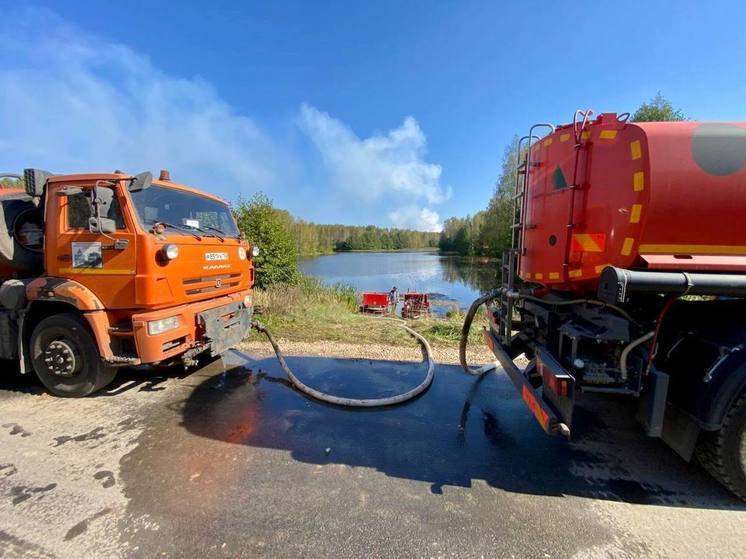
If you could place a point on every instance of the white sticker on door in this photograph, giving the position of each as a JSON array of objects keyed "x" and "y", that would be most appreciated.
[{"x": 87, "y": 255}]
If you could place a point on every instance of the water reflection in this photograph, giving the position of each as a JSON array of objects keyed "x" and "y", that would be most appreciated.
[
  {"x": 479, "y": 273},
  {"x": 453, "y": 278}
]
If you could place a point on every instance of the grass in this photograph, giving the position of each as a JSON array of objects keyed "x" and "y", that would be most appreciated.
[{"x": 312, "y": 311}]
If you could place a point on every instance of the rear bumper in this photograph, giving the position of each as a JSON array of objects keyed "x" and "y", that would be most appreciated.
[
  {"x": 534, "y": 398},
  {"x": 213, "y": 325}
]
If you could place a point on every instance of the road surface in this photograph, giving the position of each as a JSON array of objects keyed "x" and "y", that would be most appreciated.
[{"x": 230, "y": 461}]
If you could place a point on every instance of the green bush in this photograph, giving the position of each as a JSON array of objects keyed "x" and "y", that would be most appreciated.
[{"x": 265, "y": 227}]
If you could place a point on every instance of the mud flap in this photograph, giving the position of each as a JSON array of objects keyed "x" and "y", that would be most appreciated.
[
  {"x": 225, "y": 327},
  {"x": 653, "y": 403}
]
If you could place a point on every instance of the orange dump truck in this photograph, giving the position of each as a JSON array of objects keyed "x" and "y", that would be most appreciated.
[{"x": 107, "y": 270}]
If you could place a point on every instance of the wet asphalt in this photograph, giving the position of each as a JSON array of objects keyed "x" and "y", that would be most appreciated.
[{"x": 231, "y": 461}]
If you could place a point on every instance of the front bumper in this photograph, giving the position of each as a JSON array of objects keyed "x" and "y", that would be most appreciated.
[{"x": 213, "y": 325}]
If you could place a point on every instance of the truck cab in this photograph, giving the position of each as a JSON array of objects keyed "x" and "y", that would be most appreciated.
[{"x": 130, "y": 271}]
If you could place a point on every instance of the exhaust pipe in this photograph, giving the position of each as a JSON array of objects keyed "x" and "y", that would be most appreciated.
[{"x": 616, "y": 283}]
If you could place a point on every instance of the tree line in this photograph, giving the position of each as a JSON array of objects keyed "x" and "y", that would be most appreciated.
[
  {"x": 314, "y": 238},
  {"x": 487, "y": 232},
  {"x": 281, "y": 238}
]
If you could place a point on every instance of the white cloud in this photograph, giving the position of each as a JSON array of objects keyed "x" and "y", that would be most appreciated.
[
  {"x": 390, "y": 166},
  {"x": 70, "y": 101},
  {"x": 412, "y": 217}
]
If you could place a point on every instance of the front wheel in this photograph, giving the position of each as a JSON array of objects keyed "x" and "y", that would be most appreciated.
[
  {"x": 65, "y": 356},
  {"x": 723, "y": 452}
]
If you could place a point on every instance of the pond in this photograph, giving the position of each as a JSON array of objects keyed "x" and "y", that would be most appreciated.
[{"x": 450, "y": 280}]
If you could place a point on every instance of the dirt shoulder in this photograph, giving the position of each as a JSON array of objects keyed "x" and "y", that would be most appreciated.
[{"x": 326, "y": 348}]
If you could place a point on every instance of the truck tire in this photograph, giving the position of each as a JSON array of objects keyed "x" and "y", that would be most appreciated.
[
  {"x": 65, "y": 356},
  {"x": 723, "y": 452}
]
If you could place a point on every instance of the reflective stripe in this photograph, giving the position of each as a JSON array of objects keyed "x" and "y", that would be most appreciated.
[
  {"x": 634, "y": 214},
  {"x": 693, "y": 249},
  {"x": 635, "y": 149},
  {"x": 638, "y": 181},
  {"x": 627, "y": 246}
]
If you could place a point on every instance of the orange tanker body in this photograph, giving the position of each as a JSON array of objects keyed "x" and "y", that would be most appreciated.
[
  {"x": 105, "y": 270},
  {"x": 660, "y": 195},
  {"x": 616, "y": 226}
]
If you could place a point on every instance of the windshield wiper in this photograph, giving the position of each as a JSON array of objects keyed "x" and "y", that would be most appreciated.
[
  {"x": 178, "y": 227},
  {"x": 211, "y": 228}
]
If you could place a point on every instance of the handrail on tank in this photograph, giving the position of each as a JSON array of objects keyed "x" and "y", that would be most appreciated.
[
  {"x": 528, "y": 155},
  {"x": 585, "y": 114}
]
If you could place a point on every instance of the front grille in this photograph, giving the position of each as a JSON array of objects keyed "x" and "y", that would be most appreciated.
[{"x": 207, "y": 284}]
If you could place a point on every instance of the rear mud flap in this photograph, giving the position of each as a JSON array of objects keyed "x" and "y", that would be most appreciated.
[{"x": 225, "y": 327}]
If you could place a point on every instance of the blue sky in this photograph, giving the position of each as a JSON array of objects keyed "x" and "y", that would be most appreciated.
[{"x": 389, "y": 112}]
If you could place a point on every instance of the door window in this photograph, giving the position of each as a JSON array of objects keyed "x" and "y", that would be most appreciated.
[{"x": 79, "y": 211}]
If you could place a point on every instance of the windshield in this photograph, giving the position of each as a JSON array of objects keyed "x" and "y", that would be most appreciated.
[{"x": 183, "y": 211}]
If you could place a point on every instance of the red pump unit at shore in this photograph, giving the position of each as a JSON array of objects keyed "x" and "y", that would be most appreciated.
[{"x": 616, "y": 225}]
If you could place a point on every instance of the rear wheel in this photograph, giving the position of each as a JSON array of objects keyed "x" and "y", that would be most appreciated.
[
  {"x": 65, "y": 356},
  {"x": 723, "y": 452}
]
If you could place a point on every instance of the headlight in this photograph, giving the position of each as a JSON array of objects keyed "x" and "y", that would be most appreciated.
[
  {"x": 255, "y": 251},
  {"x": 171, "y": 251},
  {"x": 247, "y": 301},
  {"x": 242, "y": 253},
  {"x": 156, "y": 327}
]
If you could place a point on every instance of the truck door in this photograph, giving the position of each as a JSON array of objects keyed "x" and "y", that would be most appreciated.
[{"x": 104, "y": 263}]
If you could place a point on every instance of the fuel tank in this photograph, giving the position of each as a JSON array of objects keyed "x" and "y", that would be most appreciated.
[{"x": 658, "y": 195}]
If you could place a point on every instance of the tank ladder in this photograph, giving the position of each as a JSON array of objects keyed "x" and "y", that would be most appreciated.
[
  {"x": 580, "y": 145},
  {"x": 518, "y": 227}
]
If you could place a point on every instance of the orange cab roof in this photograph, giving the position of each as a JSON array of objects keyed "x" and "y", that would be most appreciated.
[{"x": 119, "y": 176}]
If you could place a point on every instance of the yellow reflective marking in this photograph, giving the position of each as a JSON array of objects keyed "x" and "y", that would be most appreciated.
[
  {"x": 607, "y": 134},
  {"x": 600, "y": 268},
  {"x": 548, "y": 142},
  {"x": 638, "y": 181},
  {"x": 564, "y": 137},
  {"x": 575, "y": 273},
  {"x": 99, "y": 271},
  {"x": 635, "y": 149},
  {"x": 527, "y": 275},
  {"x": 634, "y": 214},
  {"x": 693, "y": 249},
  {"x": 585, "y": 135},
  {"x": 539, "y": 276},
  {"x": 627, "y": 246},
  {"x": 587, "y": 242},
  {"x": 554, "y": 275}
]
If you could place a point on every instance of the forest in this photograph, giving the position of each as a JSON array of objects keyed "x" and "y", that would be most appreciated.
[{"x": 313, "y": 238}]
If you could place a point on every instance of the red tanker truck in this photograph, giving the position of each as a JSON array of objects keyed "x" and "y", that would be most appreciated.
[{"x": 627, "y": 275}]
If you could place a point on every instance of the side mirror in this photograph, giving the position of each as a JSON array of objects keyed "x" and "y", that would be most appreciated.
[
  {"x": 102, "y": 197},
  {"x": 104, "y": 225},
  {"x": 141, "y": 182}
]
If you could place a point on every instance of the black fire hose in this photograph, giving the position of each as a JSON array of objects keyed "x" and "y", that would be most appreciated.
[
  {"x": 354, "y": 402},
  {"x": 465, "y": 335}
]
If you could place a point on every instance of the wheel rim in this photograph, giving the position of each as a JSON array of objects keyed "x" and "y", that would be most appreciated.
[{"x": 61, "y": 359}]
